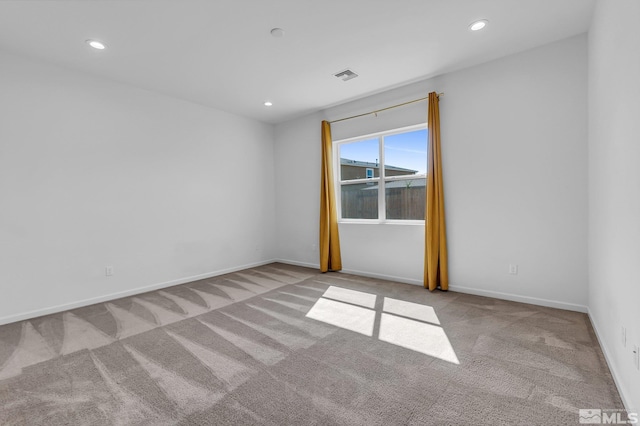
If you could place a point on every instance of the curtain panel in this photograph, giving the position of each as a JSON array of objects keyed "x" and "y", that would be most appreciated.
[
  {"x": 436, "y": 273},
  {"x": 330, "y": 259}
]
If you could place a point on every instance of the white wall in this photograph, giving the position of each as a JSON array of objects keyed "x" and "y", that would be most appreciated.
[
  {"x": 614, "y": 187},
  {"x": 515, "y": 167},
  {"x": 95, "y": 173}
]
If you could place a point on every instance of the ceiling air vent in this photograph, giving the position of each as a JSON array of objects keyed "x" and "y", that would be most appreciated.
[{"x": 346, "y": 75}]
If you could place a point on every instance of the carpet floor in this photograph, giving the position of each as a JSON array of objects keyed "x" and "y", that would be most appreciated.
[{"x": 284, "y": 345}]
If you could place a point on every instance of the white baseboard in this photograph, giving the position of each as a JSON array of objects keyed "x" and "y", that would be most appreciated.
[
  {"x": 522, "y": 299},
  {"x": 382, "y": 277},
  {"x": 353, "y": 272},
  {"x": 86, "y": 302},
  {"x": 478, "y": 292},
  {"x": 608, "y": 359},
  {"x": 296, "y": 263}
]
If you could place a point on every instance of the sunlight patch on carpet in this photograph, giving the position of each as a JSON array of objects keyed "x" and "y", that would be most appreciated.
[
  {"x": 418, "y": 336},
  {"x": 409, "y": 325},
  {"x": 410, "y": 310},
  {"x": 343, "y": 315}
]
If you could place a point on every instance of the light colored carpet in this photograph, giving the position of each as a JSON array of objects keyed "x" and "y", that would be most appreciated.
[{"x": 283, "y": 345}]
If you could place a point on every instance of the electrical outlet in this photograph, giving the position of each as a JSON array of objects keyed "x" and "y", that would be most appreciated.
[
  {"x": 108, "y": 271},
  {"x": 624, "y": 337},
  {"x": 513, "y": 269},
  {"x": 636, "y": 357}
]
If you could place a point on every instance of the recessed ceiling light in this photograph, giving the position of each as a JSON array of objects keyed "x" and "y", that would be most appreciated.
[
  {"x": 96, "y": 44},
  {"x": 478, "y": 25},
  {"x": 268, "y": 103},
  {"x": 277, "y": 32}
]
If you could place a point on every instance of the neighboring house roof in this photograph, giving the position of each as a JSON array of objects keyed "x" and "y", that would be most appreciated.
[{"x": 347, "y": 162}]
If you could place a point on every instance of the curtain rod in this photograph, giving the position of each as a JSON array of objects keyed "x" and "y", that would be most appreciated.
[{"x": 383, "y": 109}]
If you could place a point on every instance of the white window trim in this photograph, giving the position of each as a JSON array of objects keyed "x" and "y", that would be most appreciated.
[{"x": 381, "y": 179}]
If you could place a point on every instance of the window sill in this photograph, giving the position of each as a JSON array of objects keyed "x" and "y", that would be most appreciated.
[{"x": 380, "y": 222}]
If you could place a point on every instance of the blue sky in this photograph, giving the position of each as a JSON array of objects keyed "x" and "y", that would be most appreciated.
[{"x": 408, "y": 150}]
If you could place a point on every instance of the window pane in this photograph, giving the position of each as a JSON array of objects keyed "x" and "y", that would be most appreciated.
[
  {"x": 360, "y": 201},
  {"x": 406, "y": 153},
  {"x": 359, "y": 160},
  {"x": 405, "y": 199}
]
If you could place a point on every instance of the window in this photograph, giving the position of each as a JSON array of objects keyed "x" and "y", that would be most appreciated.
[
  {"x": 369, "y": 173},
  {"x": 382, "y": 177}
]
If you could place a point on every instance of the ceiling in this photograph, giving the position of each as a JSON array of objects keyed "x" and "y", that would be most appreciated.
[{"x": 220, "y": 53}]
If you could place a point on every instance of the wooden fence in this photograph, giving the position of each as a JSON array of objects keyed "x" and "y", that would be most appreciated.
[{"x": 361, "y": 202}]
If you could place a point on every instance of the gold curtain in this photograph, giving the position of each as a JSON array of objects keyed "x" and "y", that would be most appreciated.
[
  {"x": 330, "y": 259},
  {"x": 435, "y": 249}
]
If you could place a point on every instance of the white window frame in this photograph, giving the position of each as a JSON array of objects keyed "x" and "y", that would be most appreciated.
[{"x": 381, "y": 179}]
